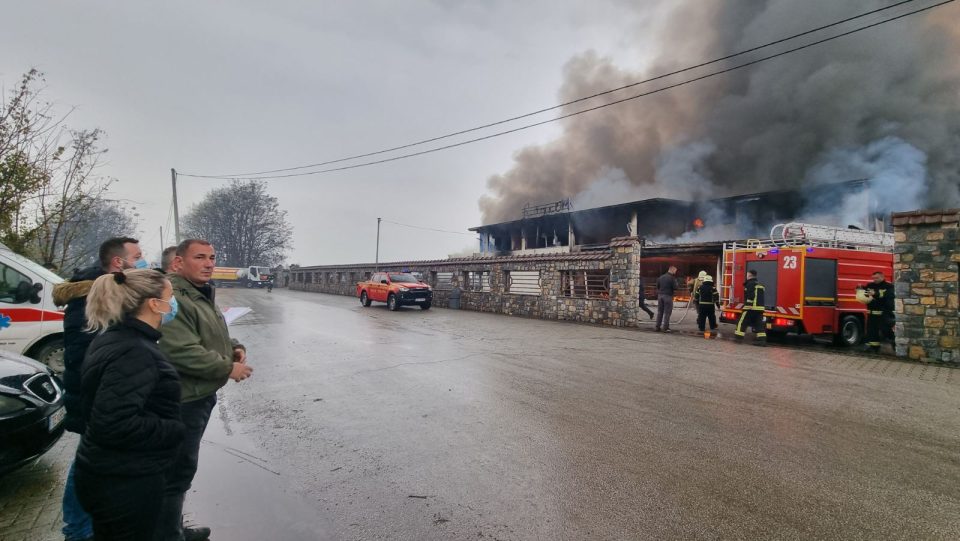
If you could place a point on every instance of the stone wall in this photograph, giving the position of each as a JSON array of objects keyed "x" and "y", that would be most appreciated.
[
  {"x": 618, "y": 307},
  {"x": 926, "y": 264}
]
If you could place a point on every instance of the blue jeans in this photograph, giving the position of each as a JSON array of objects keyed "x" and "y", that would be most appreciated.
[{"x": 77, "y": 524}]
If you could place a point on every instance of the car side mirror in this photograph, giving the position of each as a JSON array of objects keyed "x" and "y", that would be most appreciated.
[
  {"x": 383, "y": 281},
  {"x": 35, "y": 293}
]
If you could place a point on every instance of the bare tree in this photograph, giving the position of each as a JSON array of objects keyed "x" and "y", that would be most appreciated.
[
  {"x": 244, "y": 223},
  {"x": 48, "y": 185}
]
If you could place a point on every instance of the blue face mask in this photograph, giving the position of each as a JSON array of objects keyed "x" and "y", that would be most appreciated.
[
  {"x": 168, "y": 316},
  {"x": 141, "y": 264}
]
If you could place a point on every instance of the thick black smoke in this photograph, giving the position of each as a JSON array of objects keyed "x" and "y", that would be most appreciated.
[{"x": 850, "y": 108}]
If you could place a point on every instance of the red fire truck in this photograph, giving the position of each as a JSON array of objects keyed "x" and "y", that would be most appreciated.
[{"x": 810, "y": 273}]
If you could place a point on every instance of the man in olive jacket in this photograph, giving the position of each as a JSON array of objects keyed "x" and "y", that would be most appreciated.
[{"x": 199, "y": 347}]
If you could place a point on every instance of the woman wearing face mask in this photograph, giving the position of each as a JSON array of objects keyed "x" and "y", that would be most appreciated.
[{"x": 131, "y": 405}]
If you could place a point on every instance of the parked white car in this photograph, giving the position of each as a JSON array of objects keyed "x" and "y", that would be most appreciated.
[{"x": 30, "y": 324}]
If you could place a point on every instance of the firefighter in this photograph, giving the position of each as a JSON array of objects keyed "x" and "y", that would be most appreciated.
[
  {"x": 707, "y": 299},
  {"x": 880, "y": 311},
  {"x": 695, "y": 286},
  {"x": 752, "y": 315}
]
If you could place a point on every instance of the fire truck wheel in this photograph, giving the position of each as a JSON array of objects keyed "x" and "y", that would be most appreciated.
[
  {"x": 851, "y": 332},
  {"x": 364, "y": 299},
  {"x": 392, "y": 303},
  {"x": 50, "y": 354}
]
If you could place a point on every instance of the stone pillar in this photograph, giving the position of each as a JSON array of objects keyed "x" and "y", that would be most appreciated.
[{"x": 926, "y": 263}]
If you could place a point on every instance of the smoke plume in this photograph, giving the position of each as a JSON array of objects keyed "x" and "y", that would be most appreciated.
[{"x": 882, "y": 104}]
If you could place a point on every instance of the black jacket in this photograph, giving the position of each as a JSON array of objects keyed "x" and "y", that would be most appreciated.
[
  {"x": 883, "y": 297},
  {"x": 131, "y": 404},
  {"x": 707, "y": 294},
  {"x": 73, "y": 294},
  {"x": 667, "y": 284},
  {"x": 753, "y": 294}
]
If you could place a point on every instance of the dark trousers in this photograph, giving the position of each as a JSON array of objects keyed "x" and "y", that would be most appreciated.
[
  {"x": 879, "y": 328},
  {"x": 195, "y": 416},
  {"x": 706, "y": 312},
  {"x": 754, "y": 320},
  {"x": 664, "y": 310},
  {"x": 643, "y": 306},
  {"x": 122, "y": 508}
]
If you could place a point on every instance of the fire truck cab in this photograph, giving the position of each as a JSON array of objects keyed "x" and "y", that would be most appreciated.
[{"x": 810, "y": 273}]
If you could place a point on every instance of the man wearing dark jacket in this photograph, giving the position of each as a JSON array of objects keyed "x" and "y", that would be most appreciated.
[
  {"x": 666, "y": 289},
  {"x": 115, "y": 254},
  {"x": 880, "y": 311},
  {"x": 753, "y": 307},
  {"x": 198, "y": 345}
]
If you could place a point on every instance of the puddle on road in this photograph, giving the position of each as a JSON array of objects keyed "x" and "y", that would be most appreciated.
[{"x": 241, "y": 495}]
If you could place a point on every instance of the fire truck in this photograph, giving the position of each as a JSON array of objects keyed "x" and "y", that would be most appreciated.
[{"x": 810, "y": 273}]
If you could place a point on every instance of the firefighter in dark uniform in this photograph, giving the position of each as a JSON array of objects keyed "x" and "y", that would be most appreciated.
[
  {"x": 753, "y": 307},
  {"x": 880, "y": 311},
  {"x": 707, "y": 299}
]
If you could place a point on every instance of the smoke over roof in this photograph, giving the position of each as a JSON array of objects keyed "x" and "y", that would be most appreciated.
[{"x": 882, "y": 103}]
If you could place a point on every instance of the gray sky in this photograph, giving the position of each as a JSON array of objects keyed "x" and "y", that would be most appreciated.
[{"x": 228, "y": 87}]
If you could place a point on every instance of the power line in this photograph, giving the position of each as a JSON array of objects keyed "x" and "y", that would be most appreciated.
[
  {"x": 429, "y": 228},
  {"x": 554, "y": 107},
  {"x": 576, "y": 113}
]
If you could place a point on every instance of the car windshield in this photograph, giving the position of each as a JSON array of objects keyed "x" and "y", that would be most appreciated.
[
  {"x": 404, "y": 278},
  {"x": 29, "y": 264}
]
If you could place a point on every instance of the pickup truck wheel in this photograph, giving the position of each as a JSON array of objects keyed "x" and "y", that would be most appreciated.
[
  {"x": 425, "y": 306},
  {"x": 364, "y": 299},
  {"x": 249, "y": 285},
  {"x": 392, "y": 303}
]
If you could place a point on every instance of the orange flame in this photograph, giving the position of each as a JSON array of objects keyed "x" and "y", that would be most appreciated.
[{"x": 698, "y": 224}]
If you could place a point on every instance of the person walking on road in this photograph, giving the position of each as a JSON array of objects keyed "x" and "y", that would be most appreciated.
[
  {"x": 666, "y": 289},
  {"x": 643, "y": 298},
  {"x": 199, "y": 347},
  {"x": 130, "y": 406},
  {"x": 753, "y": 308},
  {"x": 880, "y": 312},
  {"x": 115, "y": 255},
  {"x": 707, "y": 299}
]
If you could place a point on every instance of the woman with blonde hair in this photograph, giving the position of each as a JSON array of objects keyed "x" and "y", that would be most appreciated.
[{"x": 131, "y": 405}]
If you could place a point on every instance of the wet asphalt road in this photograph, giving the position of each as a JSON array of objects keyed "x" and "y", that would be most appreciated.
[{"x": 459, "y": 425}]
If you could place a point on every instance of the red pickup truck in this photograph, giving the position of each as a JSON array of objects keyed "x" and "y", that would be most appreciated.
[{"x": 396, "y": 289}]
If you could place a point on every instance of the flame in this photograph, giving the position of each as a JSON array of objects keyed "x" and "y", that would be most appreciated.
[{"x": 698, "y": 224}]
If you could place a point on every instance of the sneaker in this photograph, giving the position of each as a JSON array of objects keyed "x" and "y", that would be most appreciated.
[
  {"x": 667, "y": 331},
  {"x": 657, "y": 329},
  {"x": 196, "y": 533}
]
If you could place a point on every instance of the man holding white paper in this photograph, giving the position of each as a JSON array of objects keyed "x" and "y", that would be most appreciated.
[{"x": 199, "y": 346}]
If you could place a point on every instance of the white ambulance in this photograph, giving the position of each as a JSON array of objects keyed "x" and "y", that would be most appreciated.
[{"x": 30, "y": 324}]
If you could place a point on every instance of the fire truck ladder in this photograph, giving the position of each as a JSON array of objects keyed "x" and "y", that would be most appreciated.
[{"x": 796, "y": 233}]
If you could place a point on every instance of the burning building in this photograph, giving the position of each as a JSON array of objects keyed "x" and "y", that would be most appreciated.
[
  {"x": 558, "y": 228},
  {"x": 686, "y": 234}
]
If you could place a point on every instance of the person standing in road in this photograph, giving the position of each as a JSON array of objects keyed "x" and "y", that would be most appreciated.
[
  {"x": 880, "y": 312},
  {"x": 707, "y": 299},
  {"x": 130, "y": 405},
  {"x": 666, "y": 289},
  {"x": 115, "y": 255},
  {"x": 199, "y": 347},
  {"x": 753, "y": 308},
  {"x": 643, "y": 298}
]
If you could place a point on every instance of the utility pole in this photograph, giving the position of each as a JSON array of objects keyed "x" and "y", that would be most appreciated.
[
  {"x": 161, "y": 238},
  {"x": 376, "y": 263},
  {"x": 176, "y": 209}
]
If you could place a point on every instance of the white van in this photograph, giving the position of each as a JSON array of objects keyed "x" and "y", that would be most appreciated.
[{"x": 30, "y": 324}]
